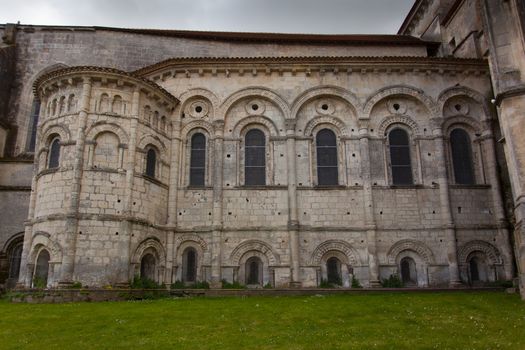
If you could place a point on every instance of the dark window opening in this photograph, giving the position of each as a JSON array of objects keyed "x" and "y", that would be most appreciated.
[
  {"x": 54, "y": 154},
  {"x": 41, "y": 269},
  {"x": 151, "y": 162},
  {"x": 327, "y": 169},
  {"x": 474, "y": 271},
  {"x": 255, "y": 158},
  {"x": 198, "y": 160},
  {"x": 400, "y": 157},
  {"x": 462, "y": 157},
  {"x": 14, "y": 261},
  {"x": 35, "y": 111}
]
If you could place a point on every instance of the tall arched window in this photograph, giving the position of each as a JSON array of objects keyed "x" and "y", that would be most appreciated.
[
  {"x": 198, "y": 160},
  {"x": 41, "y": 269},
  {"x": 400, "y": 157},
  {"x": 255, "y": 158},
  {"x": 15, "y": 257},
  {"x": 54, "y": 154},
  {"x": 326, "y": 146},
  {"x": 151, "y": 162},
  {"x": 35, "y": 111},
  {"x": 462, "y": 157}
]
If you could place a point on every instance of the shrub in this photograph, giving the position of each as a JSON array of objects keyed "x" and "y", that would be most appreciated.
[
  {"x": 355, "y": 283},
  {"x": 502, "y": 284},
  {"x": 76, "y": 285},
  {"x": 268, "y": 286},
  {"x": 392, "y": 282},
  {"x": 201, "y": 285},
  {"x": 177, "y": 285},
  {"x": 144, "y": 283},
  {"x": 234, "y": 285},
  {"x": 325, "y": 284},
  {"x": 39, "y": 283}
]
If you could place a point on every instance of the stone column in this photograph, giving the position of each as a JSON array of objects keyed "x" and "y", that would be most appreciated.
[
  {"x": 126, "y": 225},
  {"x": 444, "y": 199},
  {"x": 68, "y": 259},
  {"x": 489, "y": 149},
  {"x": 216, "y": 242},
  {"x": 293, "y": 221},
  {"x": 172, "y": 199},
  {"x": 364, "y": 150}
]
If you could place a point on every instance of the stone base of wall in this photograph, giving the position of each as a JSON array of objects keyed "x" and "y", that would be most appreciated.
[{"x": 88, "y": 295}]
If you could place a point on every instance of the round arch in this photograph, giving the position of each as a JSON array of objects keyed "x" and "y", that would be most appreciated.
[{"x": 406, "y": 90}]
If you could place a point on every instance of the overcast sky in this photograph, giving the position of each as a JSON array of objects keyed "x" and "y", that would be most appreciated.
[{"x": 291, "y": 16}]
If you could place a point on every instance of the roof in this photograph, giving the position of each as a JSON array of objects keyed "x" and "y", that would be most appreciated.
[
  {"x": 261, "y": 37},
  {"x": 410, "y": 16}
]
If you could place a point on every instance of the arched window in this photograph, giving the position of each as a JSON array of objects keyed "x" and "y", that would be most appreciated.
[
  {"x": 400, "y": 157},
  {"x": 326, "y": 145},
  {"x": 15, "y": 257},
  {"x": 41, "y": 269},
  {"x": 147, "y": 267},
  {"x": 35, "y": 111},
  {"x": 54, "y": 154},
  {"x": 253, "y": 269},
  {"x": 462, "y": 157},
  {"x": 333, "y": 271},
  {"x": 116, "y": 106},
  {"x": 151, "y": 162},
  {"x": 408, "y": 271},
  {"x": 255, "y": 158},
  {"x": 189, "y": 265},
  {"x": 198, "y": 160}
]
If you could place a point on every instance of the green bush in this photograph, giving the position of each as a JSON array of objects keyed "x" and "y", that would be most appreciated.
[
  {"x": 392, "y": 282},
  {"x": 76, "y": 285},
  {"x": 234, "y": 285},
  {"x": 201, "y": 285},
  {"x": 502, "y": 284},
  {"x": 325, "y": 284},
  {"x": 355, "y": 283},
  {"x": 178, "y": 285},
  {"x": 144, "y": 283},
  {"x": 268, "y": 286},
  {"x": 39, "y": 283}
]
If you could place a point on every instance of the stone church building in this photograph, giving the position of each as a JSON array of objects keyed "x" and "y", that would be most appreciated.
[{"x": 265, "y": 159}]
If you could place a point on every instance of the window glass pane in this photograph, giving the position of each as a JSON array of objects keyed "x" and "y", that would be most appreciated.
[
  {"x": 255, "y": 158},
  {"x": 327, "y": 170},
  {"x": 198, "y": 160},
  {"x": 400, "y": 157},
  {"x": 151, "y": 160},
  {"x": 34, "y": 122},
  {"x": 54, "y": 154},
  {"x": 462, "y": 157}
]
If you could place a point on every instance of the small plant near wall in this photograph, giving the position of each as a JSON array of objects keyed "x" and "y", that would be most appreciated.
[
  {"x": 39, "y": 283},
  {"x": 177, "y": 285},
  {"x": 392, "y": 282},
  {"x": 268, "y": 286},
  {"x": 201, "y": 285},
  {"x": 76, "y": 285},
  {"x": 144, "y": 283},
  {"x": 355, "y": 283},
  {"x": 234, "y": 285}
]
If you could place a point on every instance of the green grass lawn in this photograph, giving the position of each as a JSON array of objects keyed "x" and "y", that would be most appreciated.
[{"x": 482, "y": 320}]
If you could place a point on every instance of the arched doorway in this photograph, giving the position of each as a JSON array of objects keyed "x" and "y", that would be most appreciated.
[
  {"x": 333, "y": 271},
  {"x": 189, "y": 265},
  {"x": 148, "y": 267},
  {"x": 478, "y": 271},
  {"x": 254, "y": 271},
  {"x": 41, "y": 269},
  {"x": 408, "y": 271}
]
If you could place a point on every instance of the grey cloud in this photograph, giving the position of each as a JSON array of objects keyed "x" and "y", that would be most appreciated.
[{"x": 305, "y": 16}]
